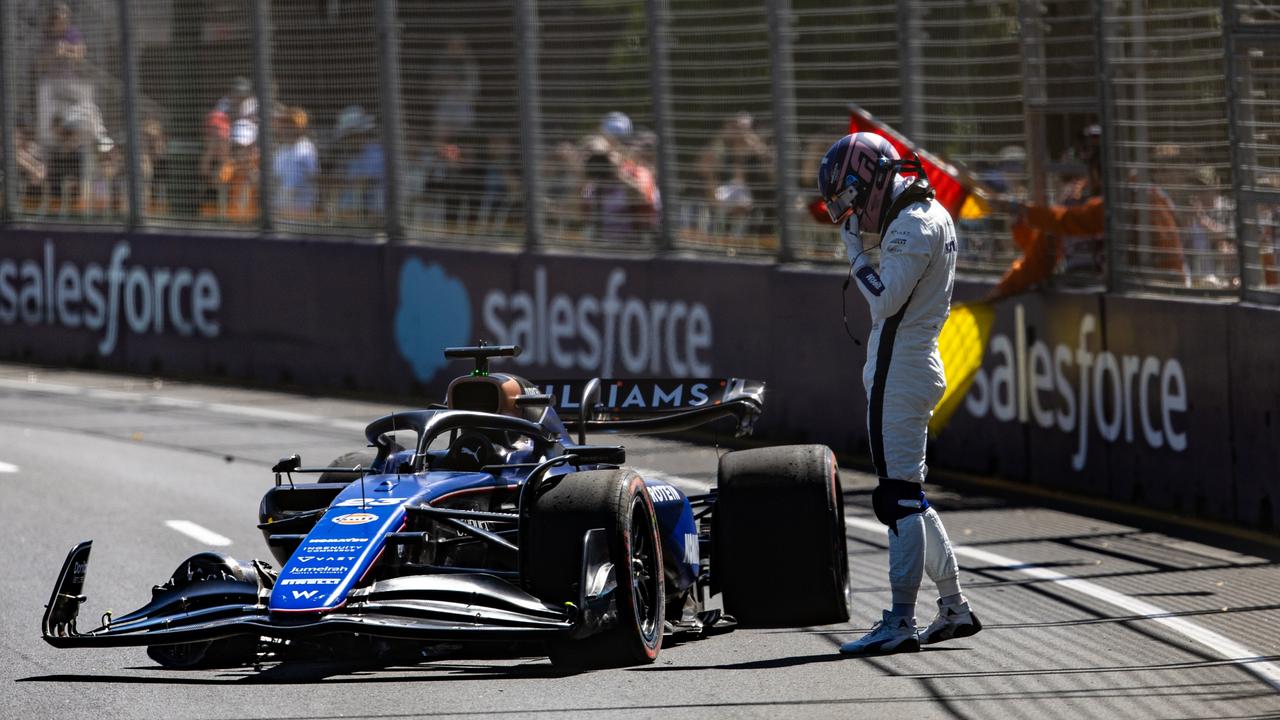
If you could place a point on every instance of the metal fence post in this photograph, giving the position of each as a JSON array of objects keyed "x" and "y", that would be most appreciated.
[
  {"x": 262, "y": 80},
  {"x": 782, "y": 98},
  {"x": 129, "y": 73},
  {"x": 1034, "y": 96},
  {"x": 658, "y": 20},
  {"x": 909, "y": 63},
  {"x": 1106, "y": 148},
  {"x": 7, "y": 108},
  {"x": 530, "y": 114},
  {"x": 388, "y": 31},
  {"x": 1235, "y": 140}
]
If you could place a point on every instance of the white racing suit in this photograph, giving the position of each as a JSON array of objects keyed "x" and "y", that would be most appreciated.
[{"x": 910, "y": 297}]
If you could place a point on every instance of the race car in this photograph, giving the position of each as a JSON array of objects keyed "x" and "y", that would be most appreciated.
[{"x": 500, "y": 523}]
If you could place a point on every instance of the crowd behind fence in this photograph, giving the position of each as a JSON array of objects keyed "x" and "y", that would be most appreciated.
[{"x": 656, "y": 125}]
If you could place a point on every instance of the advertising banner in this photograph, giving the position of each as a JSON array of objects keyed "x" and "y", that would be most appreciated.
[{"x": 1168, "y": 404}]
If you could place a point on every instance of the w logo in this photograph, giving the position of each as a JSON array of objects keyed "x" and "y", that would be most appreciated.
[{"x": 308, "y": 594}]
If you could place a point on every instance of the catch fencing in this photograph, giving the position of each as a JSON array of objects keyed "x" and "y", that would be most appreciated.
[{"x": 642, "y": 126}]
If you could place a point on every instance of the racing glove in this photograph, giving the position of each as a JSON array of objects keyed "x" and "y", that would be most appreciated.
[{"x": 852, "y": 238}]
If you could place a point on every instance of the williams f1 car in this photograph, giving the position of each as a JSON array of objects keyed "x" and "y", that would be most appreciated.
[{"x": 499, "y": 523}]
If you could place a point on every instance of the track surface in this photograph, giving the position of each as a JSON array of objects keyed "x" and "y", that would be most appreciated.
[{"x": 1084, "y": 618}]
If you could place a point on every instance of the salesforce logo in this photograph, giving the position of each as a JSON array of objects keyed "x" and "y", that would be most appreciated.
[
  {"x": 433, "y": 313},
  {"x": 602, "y": 334}
]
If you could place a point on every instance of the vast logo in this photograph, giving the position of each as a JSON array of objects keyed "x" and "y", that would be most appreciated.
[
  {"x": 433, "y": 313},
  {"x": 1121, "y": 395},
  {"x": 110, "y": 299}
]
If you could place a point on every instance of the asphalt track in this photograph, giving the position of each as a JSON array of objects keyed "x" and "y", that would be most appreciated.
[{"x": 1085, "y": 618}]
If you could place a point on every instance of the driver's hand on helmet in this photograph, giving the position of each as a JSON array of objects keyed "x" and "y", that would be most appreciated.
[{"x": 852, "y": 238}]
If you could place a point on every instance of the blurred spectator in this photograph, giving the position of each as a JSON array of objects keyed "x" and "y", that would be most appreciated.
[
  {"x": 1210, "y": 230},
  {"x": 455, "y": 78},
  {"x": 296, "y": 166},
  {"x": 565, "y": 179},
  {"x": 239, "y": 102},
  {"x": 734, "y": 166},
  {"x": 604, "y": 194},
  {"x": 1048, "y": 233},
  {"x": 65, "y": 165},
  {"x": 30, "y": 163},
  {"x": 637, "y": 170},
  {"x": 216, "y": 162},
  {"x": 502, "y": 187},
  {"x": 61, "y": 83},
  {"x": 240, "y": 174},
  {"x": 619, "y": 193},
  {"x": 358, "y": 164},
  {"x": 154, "y": 165}
]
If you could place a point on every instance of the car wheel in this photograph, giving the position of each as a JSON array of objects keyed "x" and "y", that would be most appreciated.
[
  {"x": 551, "y": 557},
  {"x": 779, "y": 554},
  {"x": 227, "y": 652},
  {"x": 359, "y": 458}
]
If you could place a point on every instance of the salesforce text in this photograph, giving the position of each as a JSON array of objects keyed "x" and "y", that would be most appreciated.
[
  {"x": 1014, "y": 391},
  {"x": 652, "y": 336},
  {"x": 94, "y": 297}
]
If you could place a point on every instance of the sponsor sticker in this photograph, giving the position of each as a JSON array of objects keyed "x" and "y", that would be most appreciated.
[
  {"x": 319, "y": 570},
  {"x": 664, "y": 493},
  {"x": 334, "y": 541},
  {"x": 355, "y": 518},
  {"x": 333, "y": 549},
  {"x": 310, "y": 581},
  {"x": 369, "y": 502},
  {"x": 867, "y": 275}
]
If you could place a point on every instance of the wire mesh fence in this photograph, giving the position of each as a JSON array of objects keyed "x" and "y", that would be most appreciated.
[
  {"x": 1171, "y": 150},
  {"x": 1025, "y": 97},
  {"x": 1256, "y": 59},
  {"x": 598, "y": 183},
  {"x": 462, "y": 138},
  {"x": 722, "y": 127},
  {"x": 842, "y": 54},
  {"x": 65, "y": 72}
]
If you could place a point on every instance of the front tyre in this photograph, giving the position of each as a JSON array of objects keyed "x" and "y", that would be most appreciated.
[
  {"x": 552, "y": 550},
  {"x": 224, "y": 653},
  {"x": 779, "y": 553}
]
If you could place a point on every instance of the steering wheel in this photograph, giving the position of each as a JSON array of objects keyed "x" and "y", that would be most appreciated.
[{"x": 471, "y": 451}]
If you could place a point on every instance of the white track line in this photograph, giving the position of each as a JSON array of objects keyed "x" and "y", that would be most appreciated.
[
  {"x": 258, "y": 413},
  {"x": 201, "y": 534},
  {"x": 8, "y": 467},
  {"x": 1247, "y": 658},
  {"x": 1229, "y": 649}
]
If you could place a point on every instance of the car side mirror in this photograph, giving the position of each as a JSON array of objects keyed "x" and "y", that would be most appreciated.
[{"x": 287, "y": 465}]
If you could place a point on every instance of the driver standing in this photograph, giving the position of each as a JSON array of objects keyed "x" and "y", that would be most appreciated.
[{"x": 909, "y": 295}]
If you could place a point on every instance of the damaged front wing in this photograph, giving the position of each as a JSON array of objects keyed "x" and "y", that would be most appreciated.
[{"x": 452, "y": 607}]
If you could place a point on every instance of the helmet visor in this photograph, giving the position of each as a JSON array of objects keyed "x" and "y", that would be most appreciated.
[{"x": 840, "y": 205}]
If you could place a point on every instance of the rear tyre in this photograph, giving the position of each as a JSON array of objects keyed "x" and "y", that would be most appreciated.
[
  {"x": 778, "y": 537},
  {"x": 224, "y": 653},
  {"x": 357, "y": 459},
  {"x": 551, "y": 553}
]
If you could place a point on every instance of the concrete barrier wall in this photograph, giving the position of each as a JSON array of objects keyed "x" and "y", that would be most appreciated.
[{"x": 1169, "y": 404}]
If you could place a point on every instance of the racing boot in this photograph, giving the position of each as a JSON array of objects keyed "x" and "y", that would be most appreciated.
[
  {"x": 893, "y": 634},
  {"x": 952, "y": 621}
]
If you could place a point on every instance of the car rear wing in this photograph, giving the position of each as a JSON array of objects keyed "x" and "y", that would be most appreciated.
[{"x": 654, "y": 405}]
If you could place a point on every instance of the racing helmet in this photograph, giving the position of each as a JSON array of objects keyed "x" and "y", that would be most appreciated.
[{"x": 856, "y": 178}]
